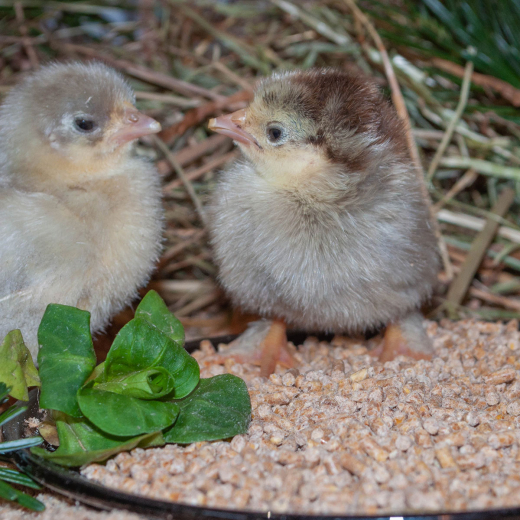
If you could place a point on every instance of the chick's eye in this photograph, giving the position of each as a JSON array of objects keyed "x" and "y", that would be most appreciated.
[
  {"x": 274, "y": 134},
  {"x": 84, "y": 124}
]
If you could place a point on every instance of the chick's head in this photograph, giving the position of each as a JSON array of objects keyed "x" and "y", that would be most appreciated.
[
  {"x": 305, "y": 125},
  {"x": 71, "y": 119}
]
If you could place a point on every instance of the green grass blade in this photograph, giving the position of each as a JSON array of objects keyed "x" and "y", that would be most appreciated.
[
  {"x": 20, "y": 444},
  {"x": 29, "y": 502},
  {"x": 11, "y": 413},
  {"x": 8, "y": 492},
  {"x": 15, "y": 477},
  {"x": 4, "y": 391}
]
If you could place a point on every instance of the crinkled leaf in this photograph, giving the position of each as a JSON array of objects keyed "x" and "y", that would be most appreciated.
[
  {"x": 82, "y": 443},
  {"x": 123, "y": 415},
  {"x": 150, "y": 383},
  {"x": 141, "y": 346},
  {"x": 47, "y": 429},
  {"x": 17, "y": 368},
  {"x": 153, "y": 309},
  {"x": 66, "y": 357},
  {"x": 218, "y": 408}
]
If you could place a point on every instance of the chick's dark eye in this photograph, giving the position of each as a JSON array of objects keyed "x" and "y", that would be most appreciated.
[
  {"x": 274, "y": 134},
  {"x": 84, "y": 124}
]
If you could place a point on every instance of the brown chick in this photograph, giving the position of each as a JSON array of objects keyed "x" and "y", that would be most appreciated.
[
  {"x": 321, "y": 224},
  {"x": 80, "y": 216}
]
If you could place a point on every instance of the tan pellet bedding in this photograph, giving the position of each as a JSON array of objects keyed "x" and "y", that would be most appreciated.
[
  {"x": 345, "y": 434},
  {"x": 60, "y": 508}
]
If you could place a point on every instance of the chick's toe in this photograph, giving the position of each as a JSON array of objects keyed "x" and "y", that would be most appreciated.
[
  {"x": 406, "y": 337},
  {"x": 264, "y": 343}
]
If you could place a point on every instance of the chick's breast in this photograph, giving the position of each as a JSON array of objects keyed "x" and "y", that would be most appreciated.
[
  {"x": 320, "y": 270},
  {"x": 90, "y": 249}
]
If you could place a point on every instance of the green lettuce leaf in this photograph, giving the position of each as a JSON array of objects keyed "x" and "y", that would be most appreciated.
[
  {"x": 66, "y": 357},
  {"x": 153, "y": 309},
  {"x": 219, "y": 408},
  {"x": 17, "y": 368},
  {"x": 150, "y": 383},
  {"x": 141, "y": 346},
  {"x": 82, "y": 443},
  {"x": 123, "y": 415}
]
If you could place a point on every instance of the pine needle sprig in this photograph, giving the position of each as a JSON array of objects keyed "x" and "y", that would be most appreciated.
[{"x": 7, "y": 475}]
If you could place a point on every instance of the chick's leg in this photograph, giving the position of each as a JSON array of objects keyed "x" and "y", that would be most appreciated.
[
  {"x": 406, "y": 337},
  {"x": 264, "y": 343}
]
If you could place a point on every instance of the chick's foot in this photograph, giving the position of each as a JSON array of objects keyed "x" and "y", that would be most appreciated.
[
  {"x": 405, "y": 337},
  {"x": 264, "y": 343}
]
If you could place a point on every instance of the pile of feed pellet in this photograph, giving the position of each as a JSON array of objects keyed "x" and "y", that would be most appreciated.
[
  {"x": 60, "y": 508},
  {"x": 344, "y": 434}
]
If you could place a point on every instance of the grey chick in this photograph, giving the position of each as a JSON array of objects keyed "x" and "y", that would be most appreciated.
[
  {"x": 80, "y": 216},
  {"x": 321, "y": 225}
]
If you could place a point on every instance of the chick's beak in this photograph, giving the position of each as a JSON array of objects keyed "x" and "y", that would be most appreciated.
[
  {"x": 231, "y": 125},
  {"x": 132, "y": 125}
]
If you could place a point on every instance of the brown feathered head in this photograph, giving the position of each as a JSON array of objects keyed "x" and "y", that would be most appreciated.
[{"x": 304, "y": 122}]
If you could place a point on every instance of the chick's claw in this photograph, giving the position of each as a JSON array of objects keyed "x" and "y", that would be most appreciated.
[
  {"x": 264, "y": 343},
  {"x": 405, "y": 337}
]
